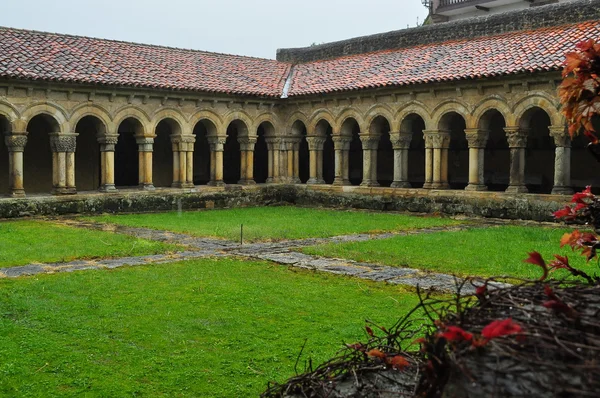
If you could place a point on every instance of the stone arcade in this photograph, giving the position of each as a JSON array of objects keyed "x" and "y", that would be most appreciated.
[{"x": 465, "y": 105}]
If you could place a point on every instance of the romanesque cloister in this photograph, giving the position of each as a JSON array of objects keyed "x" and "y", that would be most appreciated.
[{"x": 502, "y": 132}]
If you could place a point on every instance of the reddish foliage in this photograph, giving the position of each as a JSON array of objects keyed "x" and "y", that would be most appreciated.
[
  {"x": 536, "y": 259},
  {"x": 455, "y": 334},
  {"x": 398, "y": 362},
  {"x": 502, "y": 328},
  {"x": 375, "y": 353}
]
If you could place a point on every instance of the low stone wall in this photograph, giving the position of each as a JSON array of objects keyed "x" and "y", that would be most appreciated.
[
  {"x": 480, "y": 204},
  {"x": 532, "y": 18}
]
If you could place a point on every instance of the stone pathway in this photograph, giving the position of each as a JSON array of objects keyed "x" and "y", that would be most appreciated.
[{"x": 277, "y": 252}]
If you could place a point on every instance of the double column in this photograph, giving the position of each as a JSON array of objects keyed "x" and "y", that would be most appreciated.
[
  {"x": 107, "y": 162},
  {"x": 517, "y": 142},
  {"x": 274, "y": 160},
  {"x": 315, "y": 148},
  {"x": 291, "y": 159},
  {"x": 63, "y": 163},
  {"x": 145, "y": 149},
  {"x": 247, "y": 160},
  {"x": 183, "y": 161},
  {"x": 562, "y": 161},
  {"x": 401, "y": 144},
  {"x": 341, "y": 145},
  {"x": 477, "y": 140},
  {"x": 436, "y": 158},
  {"x": 370, "y": 144},
  {"x": 217, "y": 146},
  {"x": 15, "y": 142}
]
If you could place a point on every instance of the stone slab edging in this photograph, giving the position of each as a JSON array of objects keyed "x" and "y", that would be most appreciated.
[{"x": 478, "y": 204}]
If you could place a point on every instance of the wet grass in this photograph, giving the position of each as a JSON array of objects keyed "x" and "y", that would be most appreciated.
[
  {"x": 26, "y": 242},
  {"x": 494, "y": 251},
  {"x": 275, "y": 223},
  {"x": 206, "y": 328}
]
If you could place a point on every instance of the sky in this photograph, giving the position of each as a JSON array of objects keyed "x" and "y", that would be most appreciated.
[{"x": 244, "y": 27}]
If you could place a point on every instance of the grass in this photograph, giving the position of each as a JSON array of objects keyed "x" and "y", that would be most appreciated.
[
  {"x": 275, "y": 223},
  {"x": 26, "y": 242},
  {"x": 494, "y": 251},
  {"x": 207, "y": 328}
]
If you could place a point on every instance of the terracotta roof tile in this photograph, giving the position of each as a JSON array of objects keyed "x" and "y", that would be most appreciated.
[
  {"x": 510, "y": 53},
  {"x": 46, "y": 56}
]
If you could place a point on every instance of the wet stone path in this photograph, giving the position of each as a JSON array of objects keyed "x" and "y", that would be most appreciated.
[{"x": 278, "y": 252}]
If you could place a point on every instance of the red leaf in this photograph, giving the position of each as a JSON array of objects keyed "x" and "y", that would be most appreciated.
[
  {"x": 456, "y": 334},
  {"x": 560, "y": 263},
  {"x": 536, "y": 259},
  {"x": 580, "y": 196},
  {"x": 375, "y": 353},
  {"x": 560, "y": 307},
  {"x": 398, "y": 362},
  {"x": 501, "y": 328},
  {"x": 369, "y": 331},
  {"x": 481, "y": 291}
]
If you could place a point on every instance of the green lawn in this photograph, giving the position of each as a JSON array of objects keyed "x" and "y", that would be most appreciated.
[
  {"x": 275, "y": 223},
  {"x": 26, "y": 242},
  {"x": 210, "y": 328},
  {"x": 494, "y": 251}
]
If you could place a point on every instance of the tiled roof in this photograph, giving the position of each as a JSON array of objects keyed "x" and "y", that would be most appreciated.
[
  {"x": 53, "y": 57},
  {"x": 510, "y": 53}
]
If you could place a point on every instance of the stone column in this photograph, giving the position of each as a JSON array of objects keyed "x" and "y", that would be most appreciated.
[
  {"x": 183, "y": 161},
  {"x": 290, "y": 149},
  {"x": 477, "y": 141},
  {"x": 274, "y": 147},
  {"x": 295, "y": 160},
  {"x": 428, "y": 136},
  {"x": 440, "y": 141},
  {"x": 107, "y": 162},
  {"x": 63, "y": 163},
  {"x": 342, "y": 158},
  {"x": 15, "y": 143},
  {"x": 369, "y": 144},
  {"x": 517, "y": 142},
  {"x": 179, "y": 162},
  {"x": 217, "y": 144},
  {"x": 562, "y": 161},
  {"x": 145, "y": 148},
  {"x": 247, "y": 160},
  {"x": 315, "y": 148},
  {"x": 401, "y": 144}
]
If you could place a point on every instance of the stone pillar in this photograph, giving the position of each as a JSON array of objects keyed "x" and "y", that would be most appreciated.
[
  {"x": 216, "y": 160},
  {"x": 477, "y": 141},
  {"x": 63, "y": 162},
  {"x": 15, "y": 143},
  {"x": 274, "y": 147},
  {"x": 315, "y": 148},
  {"x": 107, "y": 162},
  {"x": 145, "y": 148},
  {"x": 562, "y": 161},
  {"x": 517, "y": 142},
  {"x": 369, "y": 144},
  {"x": 247, "y": 160},
  {"x": 401, "y": 144},
  {"x": 183, "y": 161},
  {"x": 342, "y": 159},
  {"x": 428, "y": 136},
  {"x": 440, "y": 142},
  {"x": 294, "y": 159}
]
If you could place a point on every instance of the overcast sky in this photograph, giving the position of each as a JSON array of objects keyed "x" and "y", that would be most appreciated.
[{"x": 246, "y": 27}]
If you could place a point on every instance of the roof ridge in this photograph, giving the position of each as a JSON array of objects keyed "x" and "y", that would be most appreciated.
[{"x": 43, "y": 32}]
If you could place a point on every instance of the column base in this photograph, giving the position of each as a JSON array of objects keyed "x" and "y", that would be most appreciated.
[
  {"x": 476, "y": 187},
  {"x": 177, "y": 185},
  {"x": 295, "y": 180},
  {"x": 188, "y": 185},
  {"x": 517, "y": 189},
  {"x": 107, "y": 188},
  {"x": 369, "y": 183},
  {"x": 562, "y": 191},
  {"x": 315, "y": 181},
  {"x": 340, "y": 182},
  {"x": 427, "y": 185},
  {"x": 440, "y": 185},
  {"x": 247, "y": 182},
  {"x": 17, "y": 193},
  {"x": 63, "y": 191},
  {"x": 147, "y": 187},
  {"x": 216, "y": 184},
  {"x": 401, "y": 184}
]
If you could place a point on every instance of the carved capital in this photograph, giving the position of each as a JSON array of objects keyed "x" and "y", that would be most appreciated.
[
  {"x": 15, "y": 143},
  {"x": 315, "y": 143},
  {"x": 247, "y": 143},
  {"x": 477, "y": 138},
  {"x": 561, "y": 136},
  {"x": 108, "y": 139},
  {"x": 63, "y": 143},
  {"x": 216, "y": 142},
  {"x": 342, "y": 143},
  {"x": 436, "y": 139},
  {"x": 401, "y": 140},
  {"x": 517, "y": 138},
  {"x": 369, "y": 142}
]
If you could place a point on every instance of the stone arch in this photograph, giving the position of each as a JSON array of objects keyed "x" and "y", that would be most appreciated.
[
  {"x": 298, "y": 130},
  {"x": 216, "y": 122},
  {"x": 414, "y": 123},
  {"x": 236, "y": 128},
  {"x": 175, "y": 115},
  {"x": 317, "y": 118},
  {"x": 457, "y": 164},
  {"x": 260, "y": 165},
  {"x": 297, "y": 117},
  {"x": 538, "y": 100},
  {"x": 379, "y": 111},
  {"x": 89, "y": 127},
  {"x": 413, "y": 107},
  {"x": 496, "y": 164},
  {"x": 447, "y": 106},
  {"x": 130, "y": 126},
  {"x": 55, "y": 111},
  {"x": 235, "y": 117},
  {"x": 351, "y": 129},
  {"x": 84, "y": 110},
  {"x": 270, "y": 118},
  {"x": 7, "y": 118},
  {"x": 38, "y": 159},
  {"x": 494, "y": 102},
  {"x": 380, "y": 127},
  {"x": 205, "y": 124},
  {"x": 165, "y": 129},
  {"x": 136, "y": 113},
  {"x": 9, "y": 112},
  {"x": 540, "y": 150},
  {"x": 345, "y": 115}
]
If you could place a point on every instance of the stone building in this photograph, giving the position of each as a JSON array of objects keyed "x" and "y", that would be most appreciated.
[{"x": 465, "y": 105}]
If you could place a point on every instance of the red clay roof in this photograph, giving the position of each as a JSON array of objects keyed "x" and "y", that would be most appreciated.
[
  {"x": 516, "y": 52},
  {"x": 46, "y": 56},
  {"x": 53, "y": 57}
]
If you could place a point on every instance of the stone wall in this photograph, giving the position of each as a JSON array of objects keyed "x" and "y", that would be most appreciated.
[{"x": 535, "y": 17}]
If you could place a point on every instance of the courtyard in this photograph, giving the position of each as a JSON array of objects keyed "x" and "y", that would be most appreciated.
[{"x": 216, "y": 303}]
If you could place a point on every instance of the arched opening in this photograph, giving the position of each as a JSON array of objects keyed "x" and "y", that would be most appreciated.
[
  {"x": 584, "y": 166},
  {"x": 162, "y": 156},
  {"x": 202, "y": 130},
  {"x": 415, "y": 124},
  {"x": 299, "y": 130},
  {"x": 37, "y": 159},
  {"x": 350, "y": 128},
  {"x": 87, "y": 153},
  {"x": 261, "y": 152},
  {"x": 5, "y": 129},
  {"x": 231, "y": 154},
  {"x": 539, "y": 154},
  {"x": 496, "y": 173},
  {"x": 458, "y": 151},
  {"x": 385, "y": 151},
  {"x": 324, "y": 129},
  {"x": 126, "y": 153}
]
